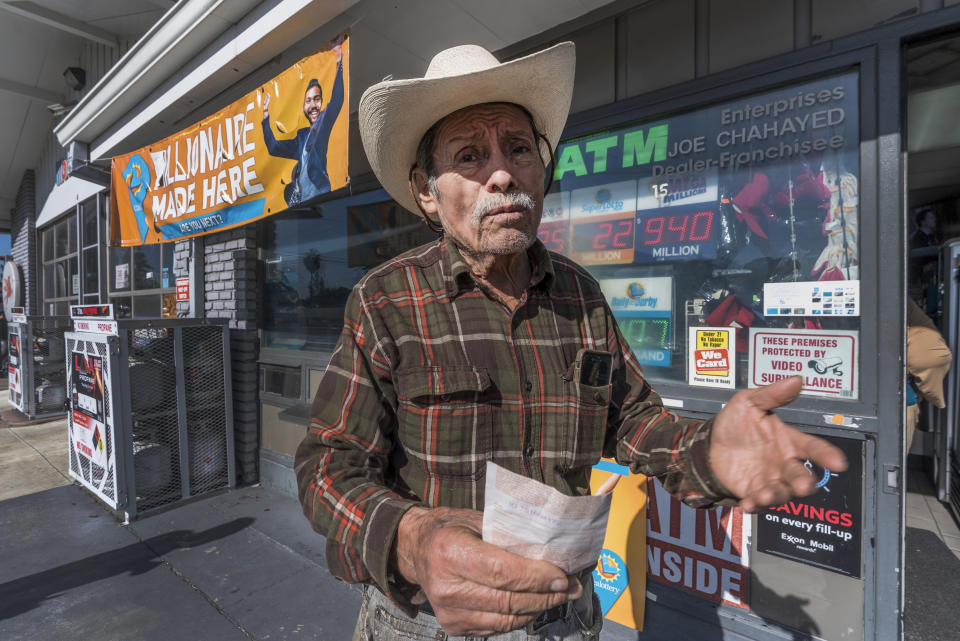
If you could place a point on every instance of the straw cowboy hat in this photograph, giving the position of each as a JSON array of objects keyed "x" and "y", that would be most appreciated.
[{"x": 394, "y": 114}]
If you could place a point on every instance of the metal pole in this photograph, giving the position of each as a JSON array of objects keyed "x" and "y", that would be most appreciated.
[
  {"x": 181, "y": 412},
  {"x": 118, "y": 358},
  {"x": 228, "y": 405}
]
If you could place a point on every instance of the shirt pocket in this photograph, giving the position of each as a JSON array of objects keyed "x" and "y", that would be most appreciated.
[
  {"x": 585, "y": 424},
  {"x": 444, "y": 419}
]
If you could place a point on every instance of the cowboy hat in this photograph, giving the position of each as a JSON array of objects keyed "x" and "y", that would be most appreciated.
[{"x": 395, "y": 114}]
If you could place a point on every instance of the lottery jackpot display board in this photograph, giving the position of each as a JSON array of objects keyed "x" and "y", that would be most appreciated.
[{"x": 739, "y": 205}]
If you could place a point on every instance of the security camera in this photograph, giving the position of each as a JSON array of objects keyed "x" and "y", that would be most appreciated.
[{"x": 76, "y": 78}]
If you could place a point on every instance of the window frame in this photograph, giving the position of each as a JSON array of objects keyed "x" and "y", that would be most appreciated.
[{"x": 725, "y": 87}]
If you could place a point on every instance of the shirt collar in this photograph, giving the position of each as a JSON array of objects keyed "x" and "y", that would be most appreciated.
[{"x": 460, "y": 278}]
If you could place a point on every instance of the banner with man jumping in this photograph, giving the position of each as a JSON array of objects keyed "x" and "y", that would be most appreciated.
[{"x": 279, "y": 147}]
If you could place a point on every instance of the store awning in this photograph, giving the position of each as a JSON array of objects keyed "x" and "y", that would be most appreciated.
[{"x": 65, "y": 197}]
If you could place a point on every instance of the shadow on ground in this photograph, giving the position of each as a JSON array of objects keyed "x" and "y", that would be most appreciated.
[
  {"x": 26, "y": 593},
  {"x": 932, "y": 588}
]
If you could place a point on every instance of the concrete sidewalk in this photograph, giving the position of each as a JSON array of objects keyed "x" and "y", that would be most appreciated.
[
  {"x": 239, "y": 565},
  {"x": 242, "y": 564}
]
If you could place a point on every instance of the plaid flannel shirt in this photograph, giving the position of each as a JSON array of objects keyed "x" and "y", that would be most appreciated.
[{"x": 432, "y": 377}]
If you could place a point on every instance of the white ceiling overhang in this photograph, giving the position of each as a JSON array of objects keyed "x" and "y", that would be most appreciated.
[
  {"x": 200, "y": 47},
  {"x": 173, "y": 41},
  {"x": 191, "y": 75},
  {"x": 65, "y": 197}
]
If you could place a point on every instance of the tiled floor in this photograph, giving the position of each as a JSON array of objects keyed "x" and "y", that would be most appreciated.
[
  {"x": 925, "y": 512},
  {"x": 932, "y": 560}
]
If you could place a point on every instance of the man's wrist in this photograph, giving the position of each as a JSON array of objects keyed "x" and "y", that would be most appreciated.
[{"x": 405, "y": 543}]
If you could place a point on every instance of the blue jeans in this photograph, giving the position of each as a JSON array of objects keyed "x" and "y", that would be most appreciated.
[{"x": 381, "y": 620}]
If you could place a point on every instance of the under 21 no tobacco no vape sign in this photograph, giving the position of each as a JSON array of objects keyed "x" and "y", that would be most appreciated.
[{"x": 824, "y": 529}]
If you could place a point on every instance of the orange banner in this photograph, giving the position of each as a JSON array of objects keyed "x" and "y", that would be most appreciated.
[
  {"x": 620, "y": 578},
  {"x": 280, "y": 146}
]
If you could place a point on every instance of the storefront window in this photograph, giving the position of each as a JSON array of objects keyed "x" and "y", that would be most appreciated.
[
  {"x": 71, "y": 276},
  {"x": 314, "y": 258},
  {"x": 59, "y": 265},
  {"x": 141, "y": 281},
  {"x": 93, "y": 226},
  {"x": 739, "y": 220}
]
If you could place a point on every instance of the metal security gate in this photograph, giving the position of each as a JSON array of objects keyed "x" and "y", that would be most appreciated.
[
  {"x": 15, "y": 334},
  {"x": 36, "y": 375},
  {"x": 170, "y": 387},
  {"x": 91, "y": 366}
]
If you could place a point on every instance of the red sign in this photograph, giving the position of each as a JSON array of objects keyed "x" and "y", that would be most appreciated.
[
  {"x": 712, "y": 360},
  {"x": 183, "y": 289},
  {"x": 91, "y": 311},
  {"x": 705, "y": 552}
]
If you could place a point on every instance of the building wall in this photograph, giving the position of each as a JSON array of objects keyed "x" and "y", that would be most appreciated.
[
  {"x": 230, "y": 290},
  {"x": 668, "y": 42},
  {"x": 23, "y": 239},
  {"x": 96, "y": 59}
]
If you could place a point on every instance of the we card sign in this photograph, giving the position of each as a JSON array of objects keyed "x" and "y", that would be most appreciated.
[{"x": 712, "y": 357}]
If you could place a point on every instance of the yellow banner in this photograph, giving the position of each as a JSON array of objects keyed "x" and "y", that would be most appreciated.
[
  {"x": 280, "y": 146},
  {"x": 620, "y": 578}
]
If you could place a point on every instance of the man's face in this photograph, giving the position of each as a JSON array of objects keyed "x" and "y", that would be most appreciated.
[
  {"x": 489, "y": 179},
  {"x": 312, "y": 103},
  {"x": 929, "y": 221}
]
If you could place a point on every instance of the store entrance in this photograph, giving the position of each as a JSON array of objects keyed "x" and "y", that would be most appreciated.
[{"x": 933, "y": 231}]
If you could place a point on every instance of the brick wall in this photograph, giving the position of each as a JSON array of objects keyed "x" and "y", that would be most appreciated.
[
  {"x": 23, "y": 239},
  {"x": 230, "y": 290}
]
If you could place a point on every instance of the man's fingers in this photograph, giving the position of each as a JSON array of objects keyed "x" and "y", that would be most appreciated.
[
  {"x": 776, "y": 492},
  {"x": 798, "y": 478},
  {"x": 819, "y": 451},
  {"x": 473, "y": 623},
  {"x": 778, "y": 394},
  {"x": 488, "y": 611},
  {"x": 497, "y": 568},
  {"x": 608, "y": 485}
]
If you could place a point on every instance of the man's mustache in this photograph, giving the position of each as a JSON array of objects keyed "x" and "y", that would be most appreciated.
[{"x": 511, "y": 199}]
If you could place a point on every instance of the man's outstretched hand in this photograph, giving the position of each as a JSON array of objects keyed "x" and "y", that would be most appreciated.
[
  {"x": 757, "y": 457},
  {"x": 474, "y": 588}
]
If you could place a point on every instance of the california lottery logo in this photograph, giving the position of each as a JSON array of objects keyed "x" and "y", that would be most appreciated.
[
  {"x": 635, "y": 290},
  {"x": 609, "y": 579}
]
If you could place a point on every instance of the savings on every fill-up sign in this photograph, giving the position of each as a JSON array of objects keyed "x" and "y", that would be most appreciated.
[
  {"x": 280, "y": 146},
  {"x": 823, "y": 529},
  {"x": 826, "y": 359},
  {"x": 643, "y": 308}
]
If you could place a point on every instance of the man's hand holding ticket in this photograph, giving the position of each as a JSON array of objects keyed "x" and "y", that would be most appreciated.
[{"x": 536, "y": 521}]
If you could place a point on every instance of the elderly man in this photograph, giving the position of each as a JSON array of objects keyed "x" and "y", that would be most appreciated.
[{"x": 475, "y": 348}]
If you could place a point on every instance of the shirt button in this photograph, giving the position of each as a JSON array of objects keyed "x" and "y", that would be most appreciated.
[{"x": 528, "y": 386}]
